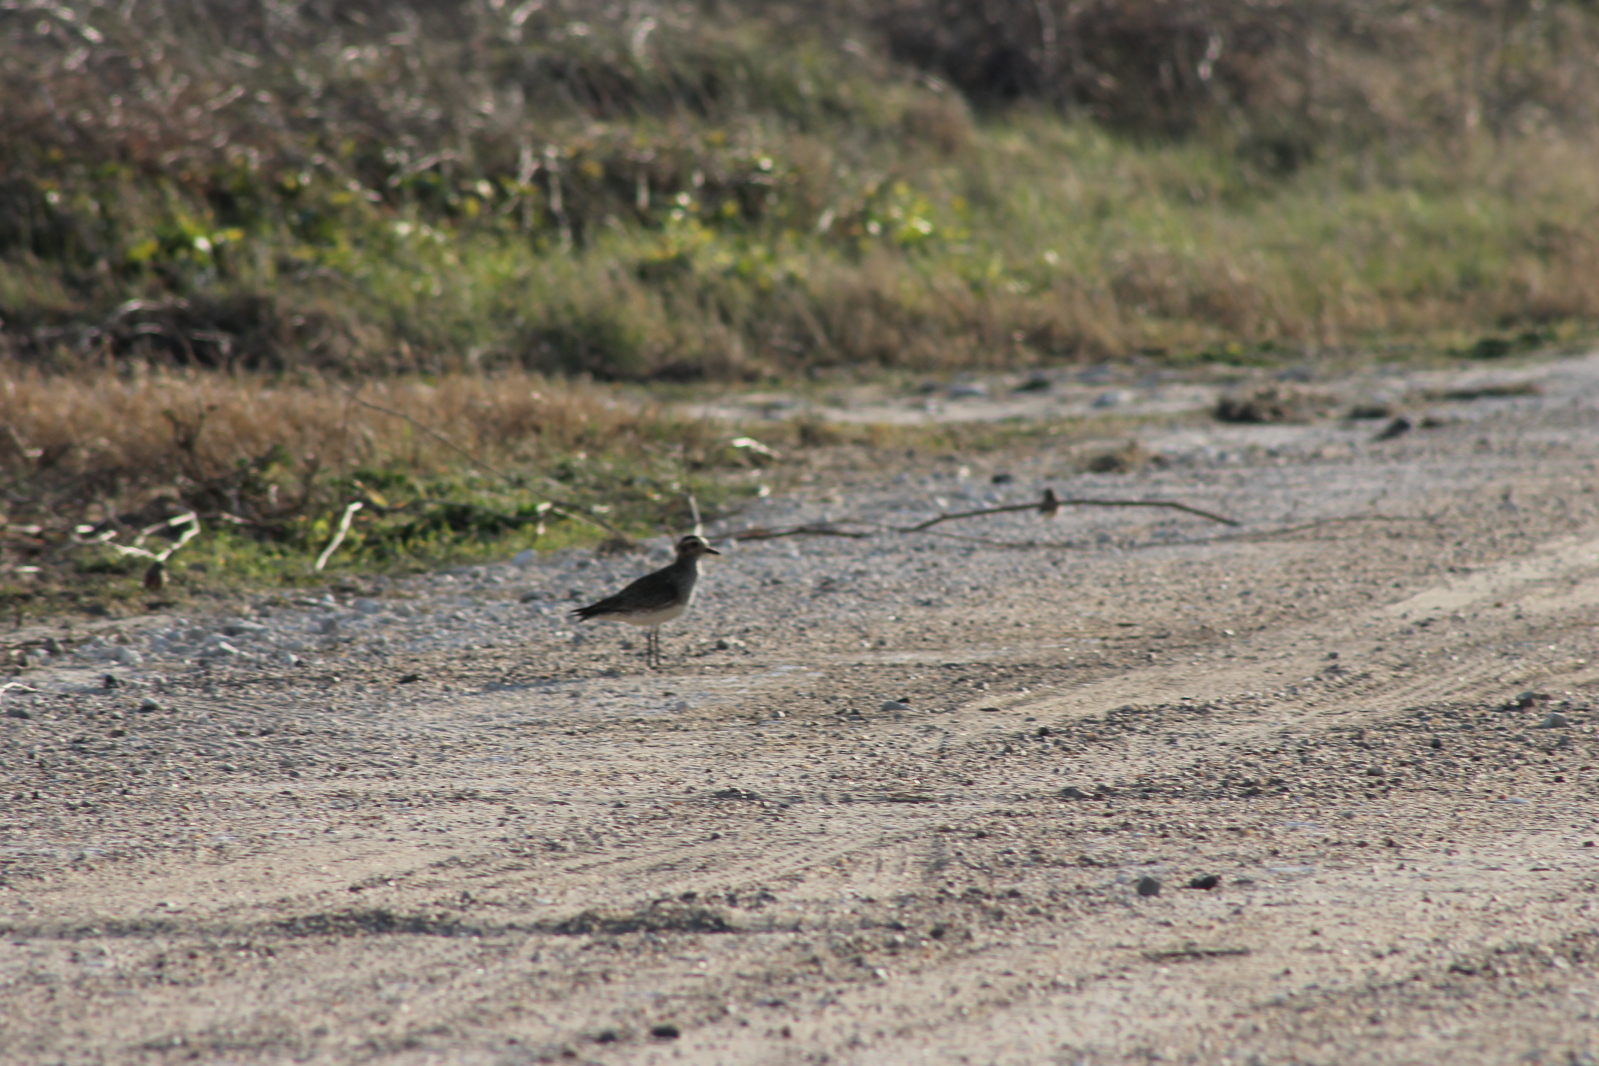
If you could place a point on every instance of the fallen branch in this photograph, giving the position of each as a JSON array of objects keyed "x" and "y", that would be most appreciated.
[
  {"x": 338, "y": 537},
  {"x": 1047, "y": 506},
  {"x": 136, "y": 548},
  {"x": 824, "y": 529},
  {"x": 1050, "y": 504}
]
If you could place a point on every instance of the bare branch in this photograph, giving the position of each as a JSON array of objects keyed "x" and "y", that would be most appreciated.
[
  {"x": 1052, "y": 503},
  {"x": 338, "y": 538}
]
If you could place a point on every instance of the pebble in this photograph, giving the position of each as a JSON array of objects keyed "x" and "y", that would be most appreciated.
[
  {"x": 243, "y": 629},
  {"x": 148, "y": 705},
  {"x": 367, "y": 606},
  {"x": 1555, "y": 720},
  {"x": 894, "y": 705},
  {"x": 1205, "y": 882},
  {"x": 1148, "y": 886},
  {"x": 1072, "y": 792},
  {"x": 128, "y": 657},
  {"x": 18, "y": 712},
  {"x": 736, "y": 793}
]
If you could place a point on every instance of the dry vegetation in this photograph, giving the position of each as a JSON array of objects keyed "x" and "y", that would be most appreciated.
[
  {"x": 715, "y": 189},
  {"x": 442, "y": 469}
]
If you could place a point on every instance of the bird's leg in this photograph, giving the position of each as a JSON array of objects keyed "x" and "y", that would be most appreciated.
[{"x": 653, "y": 644}]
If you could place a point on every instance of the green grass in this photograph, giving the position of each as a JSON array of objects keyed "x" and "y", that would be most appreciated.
[{"x": 727, "y": 196}]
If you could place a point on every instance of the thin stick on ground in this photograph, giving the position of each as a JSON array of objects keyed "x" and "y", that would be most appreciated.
[
  {"x": 1047, "y": 506},
  {"x": 1052, "y": 503},
  {"x": 191, "y": 519},
  {"x": 338, "y": 538}
]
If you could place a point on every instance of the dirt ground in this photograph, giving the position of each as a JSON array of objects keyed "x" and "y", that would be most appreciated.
[{"x": 1318, "y": 789}]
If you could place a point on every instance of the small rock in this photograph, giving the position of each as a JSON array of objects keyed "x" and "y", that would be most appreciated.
[
  {"x": 111, "y": 681},
  {"x": 525, "y": 558},
  {"x": 665, "y": 1032},
  {"x": 1035, "y": 383},
  {"x": 1435, "y": 742},
  {"x": 367, "y": 606},
  {"x": 531, "y": 595},
  {"x": 1555, "y": 720},
  {"x": 1072, "y": 792},
  {"x": 1002, "y": 478},
  {"x": 128, "y": 657},
  {"x": 968, "y": 390},
  {"x": 147, "y": 705},
  {"x": 406, "y": 679},
  {"x": 1531, "y": 699},
  {"x": 1398, "y": 427},
  {"x": 894, "y": 705},
  {"x": 243, "y": 629},
  {"x": 1148, "y": 886},
  {"x": 18, "y": 712},
  {"x": 1374, "y": 771},
  {"x": 736, "y": 793},
  {"x": 1205, "y": 882}
]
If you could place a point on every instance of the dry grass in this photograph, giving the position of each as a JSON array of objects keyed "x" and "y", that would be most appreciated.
[
  {"x": 154, "y": 431},
  {"x": 449, "y": 468}
]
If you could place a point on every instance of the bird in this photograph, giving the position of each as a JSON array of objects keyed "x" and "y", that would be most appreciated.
[{"x": 655, "y": 598}]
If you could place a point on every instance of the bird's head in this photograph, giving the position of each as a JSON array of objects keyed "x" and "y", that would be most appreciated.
[{"x": 692, "y": 547}]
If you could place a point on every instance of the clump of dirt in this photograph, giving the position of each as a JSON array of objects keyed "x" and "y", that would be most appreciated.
[
  {"x": 668, "y": 918},
  {"x": 1127, "y": 459},
  {"x": 1274, "y": 403}
]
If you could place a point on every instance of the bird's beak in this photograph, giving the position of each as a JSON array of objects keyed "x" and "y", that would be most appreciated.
[{"x": 711, "y": 551}]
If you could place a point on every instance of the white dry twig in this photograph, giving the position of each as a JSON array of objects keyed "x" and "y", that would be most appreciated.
[
  {"x": 338, "y": 537},
  {"x": 189, "y": 518}
]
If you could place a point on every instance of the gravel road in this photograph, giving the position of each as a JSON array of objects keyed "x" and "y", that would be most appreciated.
[{"x": 1130, "y": 786}]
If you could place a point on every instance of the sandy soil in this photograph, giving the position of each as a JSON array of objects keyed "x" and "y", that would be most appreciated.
[{"x": 1320, "y": 789}]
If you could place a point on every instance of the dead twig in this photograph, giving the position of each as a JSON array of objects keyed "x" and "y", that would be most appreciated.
[
  {"x": 1047, "y": 506},
  {"x": 338, "y": 537},
  {"x": 1051, "y": 503},
  {"x": 824, "y": 529},
  {"x": 189, "y": 518}
]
